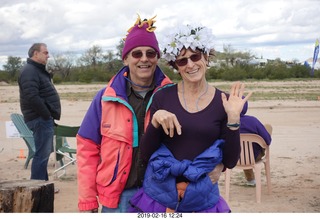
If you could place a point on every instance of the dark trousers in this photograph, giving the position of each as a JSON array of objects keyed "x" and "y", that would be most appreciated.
[{"x": 43, "y": 131}]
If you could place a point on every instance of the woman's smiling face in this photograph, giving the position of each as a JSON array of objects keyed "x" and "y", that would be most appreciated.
[{"x": 193, "y": 70}]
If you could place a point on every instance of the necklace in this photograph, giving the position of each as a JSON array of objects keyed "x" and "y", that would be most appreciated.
[{"x": 184, "y": 100}]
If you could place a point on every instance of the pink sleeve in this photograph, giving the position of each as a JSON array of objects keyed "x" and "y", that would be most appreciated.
[{"x": 87, "y": 161}]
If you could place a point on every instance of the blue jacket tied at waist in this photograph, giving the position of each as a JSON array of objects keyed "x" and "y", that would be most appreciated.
[{"x": 163, "y": 169}]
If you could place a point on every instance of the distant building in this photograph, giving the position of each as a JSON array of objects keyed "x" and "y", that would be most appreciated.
[{"x": 258, "y": 62}]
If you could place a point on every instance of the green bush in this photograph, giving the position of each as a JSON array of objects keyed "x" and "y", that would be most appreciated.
[
  {"x": 4, "y": 76},
  {"x": 276, "y": 71},
  {"x": 57, "y": 79},
  {"x": 316, "y": 73},
  {"x": 234, "y": 74}
]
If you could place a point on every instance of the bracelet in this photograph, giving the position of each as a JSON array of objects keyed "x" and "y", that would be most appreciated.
[{"x": 233, "y": 125}]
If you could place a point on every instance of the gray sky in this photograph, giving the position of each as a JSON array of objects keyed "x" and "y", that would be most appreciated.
[{"x": 285, "y": 29}]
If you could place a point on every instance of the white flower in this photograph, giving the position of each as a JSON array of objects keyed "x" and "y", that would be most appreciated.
[{"x": 187, "y": 36}]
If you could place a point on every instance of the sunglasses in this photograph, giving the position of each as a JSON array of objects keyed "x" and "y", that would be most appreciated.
[
  {"x": 194, "y": 57},
  {"x": 137, "y": 54}
]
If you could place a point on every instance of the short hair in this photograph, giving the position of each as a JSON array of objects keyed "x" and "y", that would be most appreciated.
[{"x": 35, "y": 47}]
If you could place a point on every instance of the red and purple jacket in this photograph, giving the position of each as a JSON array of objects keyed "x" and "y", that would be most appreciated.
[{"x": 106, "y": 138}]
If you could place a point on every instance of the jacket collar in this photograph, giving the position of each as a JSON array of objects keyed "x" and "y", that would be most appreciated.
[
  {"x": 37, "y": 64},
  {"x": 119, "y": 84}
]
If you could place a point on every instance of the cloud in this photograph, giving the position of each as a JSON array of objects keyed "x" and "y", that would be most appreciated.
[{"x": 269, "y": 28}]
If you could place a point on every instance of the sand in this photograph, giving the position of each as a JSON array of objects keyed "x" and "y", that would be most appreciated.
[{"x": 295, "y": 154}]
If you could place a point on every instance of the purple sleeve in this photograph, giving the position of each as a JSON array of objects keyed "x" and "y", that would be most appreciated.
[
  {"x": 232, "y": 149},
  {"x": 150, "y": 143},
  {"x": 90, "y": 127}
]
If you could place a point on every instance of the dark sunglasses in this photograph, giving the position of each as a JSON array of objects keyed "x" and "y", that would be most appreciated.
[
  {"x": 137, "y": 54},
  {"x": 183, "y": 61}
]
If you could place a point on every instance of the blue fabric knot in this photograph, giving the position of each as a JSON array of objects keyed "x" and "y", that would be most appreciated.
[
  {"x": 163, "y": 169},
  {"x": 178, "y": 168}
]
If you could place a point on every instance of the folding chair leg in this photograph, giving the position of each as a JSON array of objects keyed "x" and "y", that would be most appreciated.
[
  {"x": 27, "y": 163},
  {"x": 268, "y": 176},
  {"x": 63, "y": 166},
  {"x": 257, "y": 175},
  {"x": 227, "y": 183}
]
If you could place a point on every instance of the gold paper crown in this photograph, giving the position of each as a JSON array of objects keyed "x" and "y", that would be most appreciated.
[{"x": 140, "y": 23}]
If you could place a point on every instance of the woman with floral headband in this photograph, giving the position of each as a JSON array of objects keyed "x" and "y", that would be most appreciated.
[{"x": 193, "y": 128}]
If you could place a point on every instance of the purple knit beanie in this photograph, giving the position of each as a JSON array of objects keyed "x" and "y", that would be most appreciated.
[{"x": 141, "y": 34}]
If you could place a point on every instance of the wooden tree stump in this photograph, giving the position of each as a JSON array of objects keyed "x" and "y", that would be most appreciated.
[{"x": 26, "y": 196}]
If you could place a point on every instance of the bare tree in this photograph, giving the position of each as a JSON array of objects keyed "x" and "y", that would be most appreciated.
[
  {"x": 61, "y": 64},
  {"x": 92, "y": 57},
  {"x": 229, "y": 54},
  {"x": 233, "y": 57},
  {"x": 119, "y": 48},
  {"x": 109, "y": 56}
]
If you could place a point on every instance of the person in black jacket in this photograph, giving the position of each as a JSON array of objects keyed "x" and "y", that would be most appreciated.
[{"x": 40, "y": 106}]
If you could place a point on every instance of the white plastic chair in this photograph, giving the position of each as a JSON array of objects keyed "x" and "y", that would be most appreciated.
[{"x": 247, "y": 161}]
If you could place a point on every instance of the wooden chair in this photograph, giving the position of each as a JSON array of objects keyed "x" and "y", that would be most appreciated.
[
  {"x": 247, "y": 161},
  {"x": 26, "y": 134},
  {"x": 63, "y": 150}
]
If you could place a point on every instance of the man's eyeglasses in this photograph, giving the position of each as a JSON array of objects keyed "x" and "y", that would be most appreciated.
[
  {"x": 183, "y": 61},
  {"x": 137, "y": 54}
]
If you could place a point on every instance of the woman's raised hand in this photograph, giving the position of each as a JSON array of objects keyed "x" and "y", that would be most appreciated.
[{"x": 234, "y": 104}]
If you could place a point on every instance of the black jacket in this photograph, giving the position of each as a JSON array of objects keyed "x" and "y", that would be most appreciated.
[{"x": 38, "y": 96}]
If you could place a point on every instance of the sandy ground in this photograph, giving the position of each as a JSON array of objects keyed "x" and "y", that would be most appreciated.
[{"x": 295, "y": 155}]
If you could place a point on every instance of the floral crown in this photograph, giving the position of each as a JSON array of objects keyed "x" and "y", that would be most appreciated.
[{"x": 187, "y": 36}]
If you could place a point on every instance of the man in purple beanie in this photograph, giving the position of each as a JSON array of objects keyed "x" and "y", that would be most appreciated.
[{"x": 110, "y": 169}]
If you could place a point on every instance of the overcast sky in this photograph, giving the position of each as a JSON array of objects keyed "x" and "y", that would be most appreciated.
[{"x": 285, "y": 29}]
